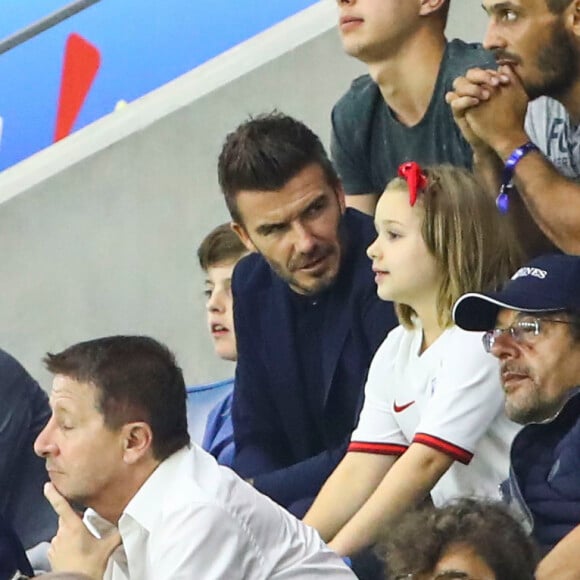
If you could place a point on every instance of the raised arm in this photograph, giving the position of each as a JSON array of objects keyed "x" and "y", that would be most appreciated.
[
  {"x": 494, "y": 116},
  {"x": 552, "y": 199},
  {"x": 477, "y": 86}
]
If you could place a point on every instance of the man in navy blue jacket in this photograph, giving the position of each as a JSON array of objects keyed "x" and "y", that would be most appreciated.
[
  {"x": 533, "y": 327},
  {"x": 306, "y": 313},
  {"x": 24, "y": 411},
  {"x": 12, "y": 556}
]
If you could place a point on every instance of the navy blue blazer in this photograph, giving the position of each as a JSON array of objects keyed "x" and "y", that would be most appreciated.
[
  {"x": 12, "y": 556},
  {"x": 24, "y": 412},
  {"x": 286, "y": 447}
]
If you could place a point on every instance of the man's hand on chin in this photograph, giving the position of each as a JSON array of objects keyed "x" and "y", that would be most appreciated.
[{"x": 74, "y": 548}]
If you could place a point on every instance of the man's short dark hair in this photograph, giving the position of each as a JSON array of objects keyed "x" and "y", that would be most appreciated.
[
  {"x": 137, "y": 379},
  {"x": 444, "y": 11},
  {"x": 418, "y": 541},
  {"x": 558, "y": 6},
  {"x": 222, "y": 244},
  {"x": 264, "y": 153}
]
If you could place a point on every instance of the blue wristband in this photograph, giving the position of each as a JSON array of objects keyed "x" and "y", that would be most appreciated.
[{"x": 502, "y": 200}]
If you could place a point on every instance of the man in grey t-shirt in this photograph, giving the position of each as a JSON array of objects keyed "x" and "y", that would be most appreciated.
[
  {"x": 397, "y": 112},
  {"x": 551, "y": 128},
  {"x": 537, "y": 45}
]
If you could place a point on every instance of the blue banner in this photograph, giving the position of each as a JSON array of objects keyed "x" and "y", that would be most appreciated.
[{"x": 123, "y": 50}]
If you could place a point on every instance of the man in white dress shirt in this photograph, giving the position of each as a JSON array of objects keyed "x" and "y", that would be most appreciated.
[{"x": 117, "y": 443}]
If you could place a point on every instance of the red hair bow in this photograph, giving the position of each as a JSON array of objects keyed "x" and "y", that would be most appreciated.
[{"x": 411, "y": 172}]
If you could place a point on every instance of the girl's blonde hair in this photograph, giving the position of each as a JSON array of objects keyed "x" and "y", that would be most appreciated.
[{"x": 473, "y": 244}]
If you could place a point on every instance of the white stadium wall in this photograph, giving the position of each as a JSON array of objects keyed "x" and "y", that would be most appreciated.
[{"x": 98, "y": 233}]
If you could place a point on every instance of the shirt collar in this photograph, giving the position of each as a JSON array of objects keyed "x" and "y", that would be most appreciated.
[
  {"x": 100, "y": 527},
  {"x": 145, "y": 504},
  {"x": 142, "y": 506}
]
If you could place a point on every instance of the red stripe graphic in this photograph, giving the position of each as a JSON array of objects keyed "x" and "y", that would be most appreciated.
[
  {"x": 81, "y": 63},
  {"x": 379, "y": 448},
  {"x": 457, "y": 453}
]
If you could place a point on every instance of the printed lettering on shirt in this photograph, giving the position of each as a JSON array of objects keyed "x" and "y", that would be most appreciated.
[
  {"x": 535, "y": 272},
  {"x": 563, "y": 148}
]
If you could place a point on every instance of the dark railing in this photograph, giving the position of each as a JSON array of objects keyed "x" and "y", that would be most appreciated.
[{"x": 44, "y": 24}]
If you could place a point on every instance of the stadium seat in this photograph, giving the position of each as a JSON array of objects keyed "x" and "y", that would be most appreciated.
[{"x": 201, "y": 399}]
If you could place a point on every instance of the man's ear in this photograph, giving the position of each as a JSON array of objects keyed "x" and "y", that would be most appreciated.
[
  {"x": 341, "y": 197},
  {"x": 572, "y": 18},
  {"x": 243, "y": 235},
  {"x": 137, "y": 441},
  {"x": 431, "y": 6}
]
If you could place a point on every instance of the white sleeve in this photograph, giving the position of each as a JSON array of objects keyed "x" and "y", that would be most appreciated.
[
  {"x": 466, "y": 399},
  {"x": 377, "y": 430}
]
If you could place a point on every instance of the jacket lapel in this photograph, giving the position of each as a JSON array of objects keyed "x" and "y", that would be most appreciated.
[
  {"x": 337, "y": 325},
  {"x": 280, "y": 351}
]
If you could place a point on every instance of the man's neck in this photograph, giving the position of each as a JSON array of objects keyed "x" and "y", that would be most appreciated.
[
  {"x": 113, "y": 500},
  {"x": 571, "y": 102},
  {"x": 407, "y": 80}
]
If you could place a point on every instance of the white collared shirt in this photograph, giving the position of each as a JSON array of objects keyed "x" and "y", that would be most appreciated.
[{"x": 195, "y": 519}]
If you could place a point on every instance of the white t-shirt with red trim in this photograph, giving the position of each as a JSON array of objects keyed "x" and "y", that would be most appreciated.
[{"x": 449, "y": 398}]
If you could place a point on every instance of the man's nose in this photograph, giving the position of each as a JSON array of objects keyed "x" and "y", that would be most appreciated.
[
  {"x": 304, "y": 241},
  {"x": 493, "y": 38},
  {"x": 504, "y": 346},
  {"x": 43, "y": 445}
]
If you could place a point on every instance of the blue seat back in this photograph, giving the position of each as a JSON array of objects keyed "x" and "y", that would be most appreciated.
[{"x": 201, "y": 399}]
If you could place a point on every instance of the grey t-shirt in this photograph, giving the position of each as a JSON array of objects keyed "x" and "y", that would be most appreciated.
[
  {"x": 550, "y": 128},
  {"x": 369, "y": 143}
]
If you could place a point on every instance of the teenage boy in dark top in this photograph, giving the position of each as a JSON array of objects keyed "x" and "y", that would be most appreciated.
[{"x": 397, "y": 112}]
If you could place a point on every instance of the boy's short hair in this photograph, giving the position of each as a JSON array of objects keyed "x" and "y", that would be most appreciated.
[{"x": 222, "y": 244}]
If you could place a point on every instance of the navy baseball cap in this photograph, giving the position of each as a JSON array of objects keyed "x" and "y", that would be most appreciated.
[{"x": 546, "y": 284}]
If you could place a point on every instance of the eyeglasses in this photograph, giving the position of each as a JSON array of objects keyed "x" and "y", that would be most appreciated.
[
  {"x": 446, "y": 575},
  {"x": 523, "y": 331}
]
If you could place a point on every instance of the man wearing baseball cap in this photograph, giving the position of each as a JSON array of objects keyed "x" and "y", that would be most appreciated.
[{"x": 533, "y": 327}]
